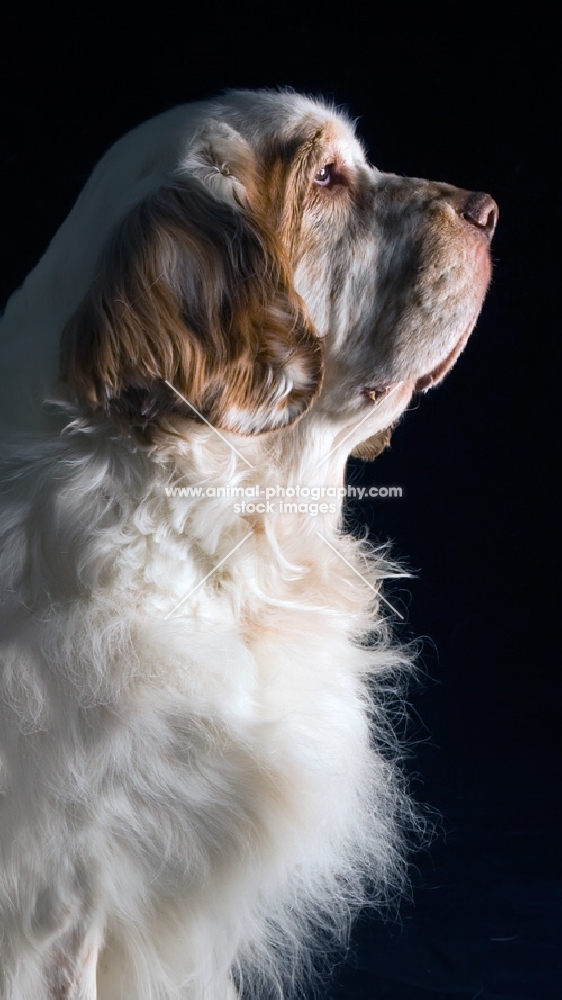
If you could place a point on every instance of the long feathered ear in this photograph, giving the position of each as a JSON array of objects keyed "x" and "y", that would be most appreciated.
[{"x": 192, "y": 290}]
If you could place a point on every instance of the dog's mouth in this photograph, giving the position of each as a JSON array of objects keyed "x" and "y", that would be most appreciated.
[
  {"x": 421, "y": 383},
  {"x": 438, "y": 373}
]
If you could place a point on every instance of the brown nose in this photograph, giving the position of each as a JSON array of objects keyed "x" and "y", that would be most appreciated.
[{"x": 481, "y": 211}]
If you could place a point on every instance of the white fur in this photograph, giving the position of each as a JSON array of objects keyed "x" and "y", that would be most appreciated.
[{"x": 194, "y": 799}]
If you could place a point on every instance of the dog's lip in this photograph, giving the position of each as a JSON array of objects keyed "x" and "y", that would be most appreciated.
[
  {"x": 438, "y": 373},
  {"x": 376, "y": 391}
]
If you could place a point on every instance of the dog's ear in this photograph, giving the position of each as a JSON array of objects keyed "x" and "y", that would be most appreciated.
[
  {"x": 371, "y": 448},
  {"x": 223, "y": 161},
  {"x": 194, "y": 291}
]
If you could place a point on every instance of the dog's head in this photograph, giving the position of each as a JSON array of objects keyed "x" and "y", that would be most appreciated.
[{"x": 271, "y": 271}]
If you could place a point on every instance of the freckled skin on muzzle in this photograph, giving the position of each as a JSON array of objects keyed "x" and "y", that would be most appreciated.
[
  {"x": 417, "y": 277},
  {"x": 433, "y": 270}
]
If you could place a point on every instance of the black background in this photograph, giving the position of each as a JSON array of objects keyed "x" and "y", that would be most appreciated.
[{"x": 465, "y": 94}]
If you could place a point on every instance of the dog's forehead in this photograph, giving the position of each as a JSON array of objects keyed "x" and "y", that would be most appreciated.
[{"x": 286, "y": 119}]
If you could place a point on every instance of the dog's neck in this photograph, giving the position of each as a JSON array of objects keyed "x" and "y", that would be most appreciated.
[{"x": 294, "y": 478}]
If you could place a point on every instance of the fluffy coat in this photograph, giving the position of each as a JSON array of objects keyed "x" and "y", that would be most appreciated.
[{"x": 199, "y": 784}]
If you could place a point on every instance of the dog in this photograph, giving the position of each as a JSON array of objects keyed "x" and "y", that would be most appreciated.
[{"x": 199, "y": 785}]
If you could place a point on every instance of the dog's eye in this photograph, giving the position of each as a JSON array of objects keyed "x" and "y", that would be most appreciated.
[{"x": 324, "y": 177}]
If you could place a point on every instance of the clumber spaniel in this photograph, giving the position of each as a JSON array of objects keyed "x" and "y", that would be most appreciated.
[{"x": 198, "y": 784}]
